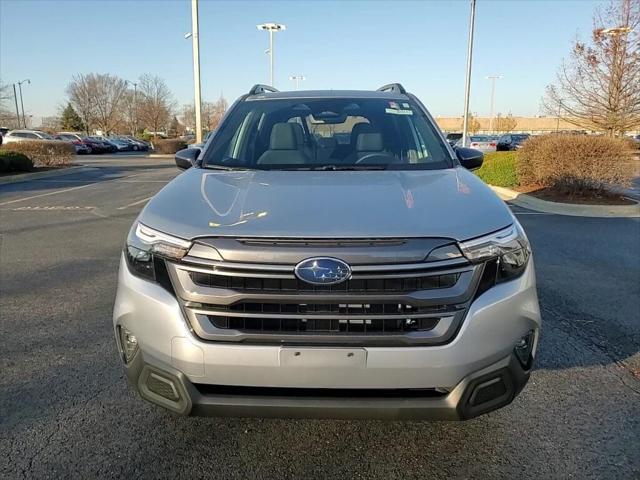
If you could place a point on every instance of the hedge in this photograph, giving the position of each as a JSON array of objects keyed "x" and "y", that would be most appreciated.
[
  {"x": 574, "y": 163},
  {"x": 44, "y": 153},
  {"x": 169, "y": 145},
  {"x": 14, "y": 162}
]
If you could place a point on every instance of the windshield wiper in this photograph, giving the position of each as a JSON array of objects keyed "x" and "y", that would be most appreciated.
[{"x": 342, "y": 167}]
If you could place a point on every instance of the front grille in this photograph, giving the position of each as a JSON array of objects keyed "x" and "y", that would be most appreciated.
[
  {"x": 378, "y": 285},
  {"x": 246, "y": 300}
]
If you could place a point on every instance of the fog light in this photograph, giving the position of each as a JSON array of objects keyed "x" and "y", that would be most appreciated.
[
  {"x": 523, "y": 349},
  {"x": 128, "y": 343}
]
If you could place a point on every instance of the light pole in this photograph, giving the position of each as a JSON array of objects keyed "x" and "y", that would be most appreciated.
[
  {"x": 297, "y": 79},
  {"x": 467, "y": 85},
  {"x": 493, "y": 79},
  {"x": 271, "y": 27},
  {"x": 15, "y": 98},
  {"x": 195, "y": 36},
  {"x": 24, "y": 120}
]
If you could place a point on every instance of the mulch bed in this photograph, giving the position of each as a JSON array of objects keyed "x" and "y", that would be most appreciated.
[{"x": 583, "y": 198}]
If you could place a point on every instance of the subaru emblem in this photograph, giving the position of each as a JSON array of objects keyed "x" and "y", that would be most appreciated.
[{"x": 323, "y": 271}]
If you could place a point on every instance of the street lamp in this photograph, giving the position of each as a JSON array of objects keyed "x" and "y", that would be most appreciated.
[
  {"x": 24, "y": 120},
  {"x": 195, "y": 37},
  {"x": 493, "y": 79},
  {"x": 297, "y": 79},
  {"x": 467, "y": 85},
  {"x": 271, "y": 27}
]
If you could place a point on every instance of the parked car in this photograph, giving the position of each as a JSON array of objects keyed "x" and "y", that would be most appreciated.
[
  {"x": 484, "y": 143},
  {"x": 278, "y": 276},
  {"x": 76, "y": 140},
  {"x": 137, "y": 144},
  {"x": 26, "y": 135},
  {"x": 97, "y": 146},
  {"x": 511, "y": 141},
  {"x": 107, "y": 146},
  {"x": 452, "y": 138}
]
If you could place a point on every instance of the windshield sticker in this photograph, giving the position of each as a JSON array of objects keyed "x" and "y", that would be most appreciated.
[{"x": 395, "y": 111}]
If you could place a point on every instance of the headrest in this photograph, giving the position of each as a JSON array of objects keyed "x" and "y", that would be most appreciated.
[
  {"x": 358, "y": 128},
  {"x": 283, "y": 137},
  {"x": 369, "y": 142}
]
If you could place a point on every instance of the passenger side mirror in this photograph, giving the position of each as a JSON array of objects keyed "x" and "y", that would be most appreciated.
[
  {"x": 469, "y": 158},
  {"x": 186, "y": 158}
]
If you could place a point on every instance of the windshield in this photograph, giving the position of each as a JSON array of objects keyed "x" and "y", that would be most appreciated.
[{"x": 328, "y": 134}]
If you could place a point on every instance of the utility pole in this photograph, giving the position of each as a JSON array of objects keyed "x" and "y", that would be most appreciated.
[
  {"x": 15, "y": 98},
  {"x": 195, "y": 36},
  {"x": 297, "y": 79},
  {"x": 24, "y": 120},
  {"x": 271, "y": 27},
  {"x": 493, "y": 79},
  {"x": 467, "y": 86}
]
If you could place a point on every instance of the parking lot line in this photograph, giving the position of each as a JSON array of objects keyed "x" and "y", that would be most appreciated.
[
  {"x": 31, "y": 197},
  {"x": 137, "y": 202}
]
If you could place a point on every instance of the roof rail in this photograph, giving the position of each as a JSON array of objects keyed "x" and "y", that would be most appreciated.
[
  {"x": 393, "y": 87},
  {"x": 259, "y": 88}
]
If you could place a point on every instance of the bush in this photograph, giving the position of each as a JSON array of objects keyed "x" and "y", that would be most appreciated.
[
  {"x": 44, "y": 153},
  {"x": 171, "y": 145},
  {"x": 574, "y": 163},
  {"x": 499, "y": 169},
  {"x": 14, "y": 162}
]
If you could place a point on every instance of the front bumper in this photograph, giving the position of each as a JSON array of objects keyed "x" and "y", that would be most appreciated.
[{"x": 216, "y": 378}]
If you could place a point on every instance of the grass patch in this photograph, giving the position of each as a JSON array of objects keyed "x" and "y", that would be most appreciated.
[{"x": 499, "y": 169}]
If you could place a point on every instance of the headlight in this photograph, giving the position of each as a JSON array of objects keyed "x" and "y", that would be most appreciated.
[
  {"x": 144, "y": 244},
  {"x": 509, "y": 247}
]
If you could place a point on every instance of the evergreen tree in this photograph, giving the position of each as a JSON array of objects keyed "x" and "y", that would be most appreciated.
[{"x": 70, "y": 120}]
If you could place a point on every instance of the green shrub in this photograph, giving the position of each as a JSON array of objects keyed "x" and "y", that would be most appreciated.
[
  {"x": 499, "y": 169},
  {"x": 170, "y": 145},
  {"x": 14, "y": 162},
  {"x": 45, "y": 153},
  {"x": 574, "y": 163}
]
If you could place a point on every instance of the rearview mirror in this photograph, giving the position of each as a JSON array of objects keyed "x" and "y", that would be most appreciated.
[
  {"x": 469, "y": 158},
  {"x": 186, "y": 158}
]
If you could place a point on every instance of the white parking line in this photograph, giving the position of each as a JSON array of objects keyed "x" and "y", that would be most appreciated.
[
  {"x": 16, "y": 200},
  {"x": 137, "y": 202}
]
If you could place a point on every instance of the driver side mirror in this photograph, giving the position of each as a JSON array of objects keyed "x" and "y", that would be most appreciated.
[
  {"x": 186, "y": 158},
  {"x": 469, "y": 158}
]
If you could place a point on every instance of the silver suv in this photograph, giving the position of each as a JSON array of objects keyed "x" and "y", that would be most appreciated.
[{"x": 327, "y": 254}]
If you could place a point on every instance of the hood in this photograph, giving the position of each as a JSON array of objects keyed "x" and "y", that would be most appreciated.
[{"x": 451, "y": 203}]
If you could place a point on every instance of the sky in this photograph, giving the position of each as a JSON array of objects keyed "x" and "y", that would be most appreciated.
[{"x": 334, "y": 44}]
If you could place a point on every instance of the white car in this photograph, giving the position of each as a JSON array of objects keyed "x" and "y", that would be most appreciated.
[
  {"x": 26, "y": 135},
  {"x": 484, "y": 143}
]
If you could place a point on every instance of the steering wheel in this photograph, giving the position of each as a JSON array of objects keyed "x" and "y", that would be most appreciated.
[{"x": 377, "y": 159}]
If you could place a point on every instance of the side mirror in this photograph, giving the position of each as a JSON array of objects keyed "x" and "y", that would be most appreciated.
[
  {"x": 187, "y": 158},
  {"x": 470, "y": 158}
]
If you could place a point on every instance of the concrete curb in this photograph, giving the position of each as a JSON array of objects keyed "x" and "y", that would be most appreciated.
[
  {"x": 160, "y": 155},
  {"x": 25, "y": 177},
  {"x": 574, "y": 210}
]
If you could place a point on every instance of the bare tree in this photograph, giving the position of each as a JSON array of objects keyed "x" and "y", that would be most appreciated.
[
  {"x": 212, "y": 113},
  {"x": 505, "y": 124},
  {"x": 473, "y": 124},
  {"x": 598, "y": 87},
  {"x": 96, "y": 98},
  {"x": 7, "y": 111},
  {"x": 81, "y": 96},
  {"x": 155, "y": 102}
]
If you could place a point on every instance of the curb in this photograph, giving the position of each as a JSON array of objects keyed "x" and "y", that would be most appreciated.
[
  {"x": 160, "y": 155},
  {"x": 25, "y": 177},
  {"x": 574, "y": 210}
]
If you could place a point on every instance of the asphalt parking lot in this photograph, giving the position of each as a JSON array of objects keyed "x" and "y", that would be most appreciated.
[{"x": 66, "y": 411}]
